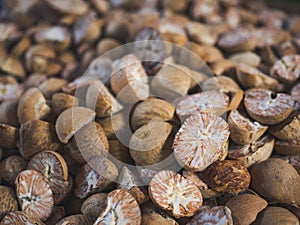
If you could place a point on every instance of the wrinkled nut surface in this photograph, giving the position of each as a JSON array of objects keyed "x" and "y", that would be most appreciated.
[
  {"x": 8, "y": 201},
  {"x": 21, "y": 217},
  {"x": 175, "y": 193},
  {"x": 34, "y": 194},
  {"x": 121, "y": 208},
  {"x": 268, "y": 107},
  {"x": 199, "y": 141},
  {"x": 9, "y": 136},
  {"x": 276, "y": 216},
  {"x": 94, "y": 205},
  {"x": 10, "y": 167}
]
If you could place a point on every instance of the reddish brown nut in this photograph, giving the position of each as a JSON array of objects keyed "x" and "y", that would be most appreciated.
[
  {"x": 9, "y": 136},
  {"x": 36, "y": 136},
  {"x": 32, "y": 106},
  {"x": 10, "y": 167},
  {"x": 199, "y": 141},
  {"x": 8, "y": 201},
  {"x": 71, "y": 120},
  {"x": 244, "y": 208},
  {"x": 21, "y": 217},
  {"x": 121, "y": 208},
  {"x": 54, "y": 168},
  {"x": 208, "y": 101},
  {"x": 34, "y": 194},
  {"x": 94, "y": 205},
  {"x": 268, "y": 107},
  {"x": 243, "y": 130},
  {"x": 73, "y": 7},
  {"x": 287, "y": 147},
  {"x": 229, "y": 176},
  {"x": 287, "y": 69},
  {"x": 174, "y": 193},
  {"x": 215, "y": 215}
]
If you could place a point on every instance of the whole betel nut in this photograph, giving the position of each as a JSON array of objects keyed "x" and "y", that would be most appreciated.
[
  {"x": 276, "y": 216},
  {"x": 8, "y": 201}
]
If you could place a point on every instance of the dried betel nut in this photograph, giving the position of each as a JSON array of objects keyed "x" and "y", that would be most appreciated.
[
  {"x": 276, "y": 216},
  {"x": 245, "y": 207},
  {"x": 71, "y": 120},
  {"x": 34, "y": 194},
  {"x": 21, "y": 217},
  {"x": 243, "y": 130},
  {"x": 254, "y": 152},
  {"x": 121, "y": 208},
  {"x": 62, "y": 101},
  {"x": 276, "y": 180},
  {"x": 75, "y": 219},
  {"x": 247, "y": 58},
  {"x": 8, "y": 113},
  {"x": 8, "y": 201},
  {"x": 229, "y": 176},
  {"x": 295, "y": 92},
  {"x": 58, "y": 213},
  {"x": 73, "y": 7},
  {"x": 268, "y": 107},
  {"x": 54, "y": 168},
  {"x": 215, "y": 215},
  {"x": 199, "y": 141},
  {"x": 175, "y": 194},
  {"x": 9, "y": 136},
  {"x": 32, "y": 106},
  {"x": 51, "y": 86},
  {"x": 10, "y": 167},
  {"x": 151, "y": 109},
  {"x": 287, "y": 147},
  {"x": 120, "y": 153},
  {"x": 94, "y": 205},
  {"x": 287, "y": 69}
]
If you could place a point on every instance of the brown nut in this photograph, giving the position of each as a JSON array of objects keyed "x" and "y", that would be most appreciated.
[
  {"x": 243, "y": 130},
  {"x": 287, "y": 147},
  {"x": 36, "y": 136},
  {"x": 244, "y": 208},
  {"x": 247, "y": 58},
  {"x": 8, "y": 201},
  {"x": 229, "y": 176},
  {"x": 73, "y": 7},
  {"x": 199, "y": 141},
  {"x": 8, "y": 113},
  {"x": 106, "y": 44},
  {"x": 61, "y": 101},
  {"x": 71, "y": 120},
  {"x": 21, "y": 217},
  {"x": 94, "y": 205},
  {"x": 268, "y": 107},
  {"x": 154, "y": 218},
  {"x": 276, "y": 180},
  {"x": 288, "y": 129},
  {"x": 34, "y": 194},
  {"x": 10, "y": 167},
  {"x": 9, "y": 136},
  {"x": 269, "y": 36},
  {"x": 12, "y": 66},
  {"x": 201, "y": 33},
  {"x": 119, "y": 152},
  {"x": 57, "y": 214},
  {"x": 174, "y": 193},
  {"x": 51, "y": 86},
  {"x": 276, "y": 216},
  {"x": 74, "y": 219}
]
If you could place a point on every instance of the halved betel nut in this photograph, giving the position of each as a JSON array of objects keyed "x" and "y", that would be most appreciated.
[
  {"x": 61, "y": 101},
  {"x": 199, "y": 141},
  {"x": 8, "y": 201},
  {"x": 54, "y": 168},
  {"x": 175, "y": 193},
  {"x": 268, "y": 107},
  {"x": 21, "y": 217},
  {"x": 243, "y": 130},
  {"x": 34, "y": 194},
  {"x": 121, "y": 208}
]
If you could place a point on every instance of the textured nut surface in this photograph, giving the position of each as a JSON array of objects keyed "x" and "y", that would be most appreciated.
[
  {"x": 8, "y": 201},
  {"x": 94, "y": 205},
  {"x": 277, "y": 215},
  {"x": 10, "y": 167},
  {"x": 21, "y": 217},
  {"x": 287, "y": 69},
  {"x": 9, "y": 136}
]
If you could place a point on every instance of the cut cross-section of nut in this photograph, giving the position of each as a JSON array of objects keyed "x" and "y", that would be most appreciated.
[
  {"x": 121, "y": 208},
  {"x": 34, "y": 194},
  {"x": 175, "y": 193},
  {"x": 21, "y": 218},
  {"x": 199, "y": 141}
]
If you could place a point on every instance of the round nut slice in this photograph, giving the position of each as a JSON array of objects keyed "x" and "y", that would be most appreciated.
[
  {"x": 54, "y": 168},
  {"x": 268, "y": 107},
  {"x": 175, "y": 193},
  {"x": 34, "y": 194},
  {"x": 121, "y": 208},
  {"x": 242, "y": 130},
  {"x": 21, "y": 218},
  {"x": 199, "y": 141}
]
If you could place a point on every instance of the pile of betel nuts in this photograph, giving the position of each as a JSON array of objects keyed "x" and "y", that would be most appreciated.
[{"x": 149, "y": 112}]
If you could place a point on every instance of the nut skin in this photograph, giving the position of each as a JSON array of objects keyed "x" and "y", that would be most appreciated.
[
  {"x": 62, "y": 101},
  {"x": 21, "y": 217},
  {"x": 9, "y": 136},
  {"x": 10, "y": 167},
  {"x": 8, "y": 201},
  {"x": 94, "y": 205},
  {"x": 276, "y": 216}
]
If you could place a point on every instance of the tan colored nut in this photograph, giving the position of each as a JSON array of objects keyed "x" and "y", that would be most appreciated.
[
  {"x": 9, "y": 31},
  {"x": 94, "y": 205},
  {"x": 285, "y": 49},
  {"x": 221, "y": 83},
  {"x": 201, "y": 33},
  {"x": 51, "y": 86},
  {"x": 174, "y": 193},
  {"x": 32, "y": 106},
  {"x": 8, "y": 201},
  {"x": 151, "y": 143},
  {"x": 61, "y": 101},
  {"x": 276, "y": 216},
  {"x": 222, "y": 66},
  {"x": 287, "y": 69},
  {"x": 97, "y": 175},
  {"x": 129, "y": 80},
  {"x": 73, "y": 7},
  {"x": 9, "y": 136},
  {"x": 199, "y": 141},
  {"x": 244, "y": 208},
  {"x": 34, "y": 80},
  {"x": 71, "y": 120},
  {"x": 250, "y": 77},
  {"x": 54, "y": 168},
  {"x": 268, "y": 107},
  {"x": 229, "y": 176},
  {"x": 75, "y": 219},
  {"x": 8, "y": 113},
  {"x": 106, "y": 44},
  {"x": 276, "y": 180},
  {"x": 128, "y": 181},
  {"x": 89, "y": 141},
  {"x": 288, "y": 129},
  {"x": 151, "y": 109},
  {"x": 254, "y": 152},
  {"x": 21, "y": 217},
  {"x": 172, "y": 32},
  {"x": 57, "y": 214},
  {"x": 243, "y": 130},
  {"x": 247, "y": 58},
  {"x": 36, "y": 136},
  {"x": 34, "y": 194},
  {"x": 98, "y": 98},
  {"x": 208, "y": 101},
  {"x": 215, "y": 215},
  {"x": 57, "y": 37},
  {"x": 287, "y": 147},
  {"x": 12, "y": 66},
  {"x": 268, "y": 36},
  {"x": 10, "y": 167},
  {"x": 295, "y": 92},
  {"x": 294, "y": 160}
]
